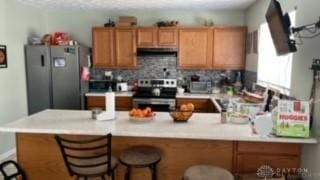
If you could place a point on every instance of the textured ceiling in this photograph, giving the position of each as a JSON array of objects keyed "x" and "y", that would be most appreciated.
[{"x": 115, "y": 5}]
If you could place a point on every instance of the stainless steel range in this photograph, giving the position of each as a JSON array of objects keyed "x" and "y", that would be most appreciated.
[{"x": 159, "y": 94}]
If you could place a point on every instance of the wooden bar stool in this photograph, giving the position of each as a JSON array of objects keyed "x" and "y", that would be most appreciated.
[
  {"x": 91, "y": 158},
  {"x": 16, "y": 173},
  {"x": 140, "y": 157},
  {"x": 206, "y": 172}
]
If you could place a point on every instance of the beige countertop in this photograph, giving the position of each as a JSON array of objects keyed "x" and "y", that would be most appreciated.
[
  {"x": 118, "y": 94},
  {"x": 201, "y": 126}
]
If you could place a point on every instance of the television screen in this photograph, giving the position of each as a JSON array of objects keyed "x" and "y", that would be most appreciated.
[{"x": 280, "y": 29}]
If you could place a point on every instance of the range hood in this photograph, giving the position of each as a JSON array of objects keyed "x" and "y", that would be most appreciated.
[{"x": 157, "y": 52}]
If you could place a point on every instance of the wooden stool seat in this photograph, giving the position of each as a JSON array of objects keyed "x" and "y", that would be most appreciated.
[
  {"x": 206, "y": 172},
  {"x": 140, "y": 157}
]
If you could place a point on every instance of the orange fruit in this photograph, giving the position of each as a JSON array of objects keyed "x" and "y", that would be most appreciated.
[
  {"x": 145, "y": 112},
  {"x": 190, "y": 107},
  {"x": 132, "y": 112},
  {"x": 148, "y": 109},
  {"x": 139, "y": 113},
  {"x": 184, "y": 107}
]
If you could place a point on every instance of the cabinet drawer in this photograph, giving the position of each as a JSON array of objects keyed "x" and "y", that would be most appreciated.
[
  {"x": 95, "y": 101},
  {"x": 269, "y": 148},
  {"x": 124, "y": 103},
  {"x": 250, "y": 163},
  {"x": 200, "y": 105}
]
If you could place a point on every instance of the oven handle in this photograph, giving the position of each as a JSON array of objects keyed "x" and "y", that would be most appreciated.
[{"x": 153, "y": 101}]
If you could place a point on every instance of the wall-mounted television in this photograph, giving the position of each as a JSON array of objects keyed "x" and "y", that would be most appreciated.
[{"x": 279, "y": 26}]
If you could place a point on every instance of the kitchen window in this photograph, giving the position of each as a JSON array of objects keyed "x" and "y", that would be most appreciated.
[{"x": 273, "y": 70}]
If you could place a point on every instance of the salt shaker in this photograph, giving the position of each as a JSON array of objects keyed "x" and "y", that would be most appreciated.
[{"x": 223, "y": 116}]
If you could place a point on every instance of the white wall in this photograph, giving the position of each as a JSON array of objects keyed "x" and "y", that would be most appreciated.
[
  {"x": 307, "y": 12},
  {"x": 79, "y": 24},
  {"x": 17, "y": 23}
]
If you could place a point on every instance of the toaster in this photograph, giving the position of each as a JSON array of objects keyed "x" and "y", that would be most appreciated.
[{"x": 123, "y": 86}]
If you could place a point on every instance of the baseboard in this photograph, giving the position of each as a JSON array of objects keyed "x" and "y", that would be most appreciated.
[{"x": 7, "y": 154}]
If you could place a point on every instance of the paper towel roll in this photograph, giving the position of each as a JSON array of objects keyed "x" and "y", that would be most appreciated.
[{"x": 110, "y": 112}]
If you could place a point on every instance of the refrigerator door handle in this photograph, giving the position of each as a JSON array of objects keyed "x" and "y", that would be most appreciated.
[{"x": 42, "y": 60}]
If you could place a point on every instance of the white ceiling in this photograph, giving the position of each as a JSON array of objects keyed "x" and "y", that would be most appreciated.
[{"x": 115, "y": 5}]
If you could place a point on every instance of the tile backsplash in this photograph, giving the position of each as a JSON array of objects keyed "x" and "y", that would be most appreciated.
[{"x": 152, "y": 67}]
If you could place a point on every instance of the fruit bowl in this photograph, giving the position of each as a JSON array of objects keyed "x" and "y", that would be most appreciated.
[
  {"x": 180, "y": 116},
  {"x": 141, "y": 115},
  {"x": 141, "y": 119}
]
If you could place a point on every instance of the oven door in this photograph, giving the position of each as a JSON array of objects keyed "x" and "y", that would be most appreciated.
[{"x": 163, "y": 105}]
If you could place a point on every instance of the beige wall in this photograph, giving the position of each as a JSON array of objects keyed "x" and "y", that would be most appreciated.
[
  {"x": 307, "y": 12},
  {"x": 17, "y": 23},
  {"x": 79, "y": 24}
]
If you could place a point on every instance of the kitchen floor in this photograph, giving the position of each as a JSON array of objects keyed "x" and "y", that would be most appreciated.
[{"x": 9, "y": 169}]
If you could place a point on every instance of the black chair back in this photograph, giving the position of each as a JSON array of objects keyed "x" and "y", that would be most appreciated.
[
  {"x": 87, "y": 158},
  {"x": 18, "y": 172}
]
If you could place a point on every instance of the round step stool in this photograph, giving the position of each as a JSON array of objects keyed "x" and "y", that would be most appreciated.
[
  {"x": 140, "y": 157},
  {"x": 206, "y": 172}
]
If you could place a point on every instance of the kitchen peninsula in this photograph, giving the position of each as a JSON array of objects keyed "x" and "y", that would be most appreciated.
[{"x": 203, "y": 140}]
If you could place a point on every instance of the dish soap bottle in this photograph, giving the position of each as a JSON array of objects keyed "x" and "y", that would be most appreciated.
[
  {"x": 238, "y": 84},
  {"x": 229, "y": 111}
]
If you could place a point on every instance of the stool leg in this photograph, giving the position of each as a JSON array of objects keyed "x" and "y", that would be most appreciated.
[
  {"x": 154, "y": 172},
  {"x": 128, "y": 173},
  {"x": 112, "y": 175}
]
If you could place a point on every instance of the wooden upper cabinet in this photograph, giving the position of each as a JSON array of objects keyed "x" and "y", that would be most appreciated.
[
  {"x": 229, "y": 47},
  {"x": 103, "y": 47},
  {"x": 147, "y": 37},
  {"x": 125, "y": 48},
  {"x": 168, "y": 37},
  {"x": 195, "y": 48}
]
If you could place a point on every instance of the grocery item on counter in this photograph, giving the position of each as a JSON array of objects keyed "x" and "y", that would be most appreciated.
[
  {"x": 141, "y": 115},
  {"x": 239, "y": 118},
  {"x": 291, "y": 119},
  {"x": 61, "y": 38}
]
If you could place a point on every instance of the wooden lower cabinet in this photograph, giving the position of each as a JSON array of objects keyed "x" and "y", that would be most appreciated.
[
  {"x": 249, "y": 163},
  {"x": 249, "y": 156},
  {"x": 122, "y": 103},
  {"x": 201, "y": 105},
  {"x": 40, "y": 156}
]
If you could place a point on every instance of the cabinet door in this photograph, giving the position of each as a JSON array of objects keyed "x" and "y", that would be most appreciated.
[
  {"x": 249, "y": 163},
  {"x": 229, "y": 48},
  {"x": 168, "y": 37},
  {"x": 195, "y": 48},
  {"x": 103, "y": 47},
  {"x": 126, "y": 56},
  {"x": 147, "y": 37}
]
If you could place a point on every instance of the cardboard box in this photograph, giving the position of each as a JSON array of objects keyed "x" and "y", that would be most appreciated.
[
  {"x": 291, "y": 119},
  {"x": 127, "y": 21}
]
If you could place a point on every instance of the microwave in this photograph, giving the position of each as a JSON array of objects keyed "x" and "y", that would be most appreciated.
[
  {"x": 102, "y": 85},
  {"x": 201, "y": 87}
]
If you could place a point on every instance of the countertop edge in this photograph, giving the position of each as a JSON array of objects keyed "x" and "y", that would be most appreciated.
[{"x": 224, "y": 138}]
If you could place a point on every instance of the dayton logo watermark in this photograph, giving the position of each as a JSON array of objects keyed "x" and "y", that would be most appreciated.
[{"x": 265, "y": 171}]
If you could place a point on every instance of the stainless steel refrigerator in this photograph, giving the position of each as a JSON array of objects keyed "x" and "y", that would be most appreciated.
[{"x": 54, "y": 77}]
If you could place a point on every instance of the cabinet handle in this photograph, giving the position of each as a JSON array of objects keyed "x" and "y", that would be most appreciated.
[{"x": 42, "y": 61}]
